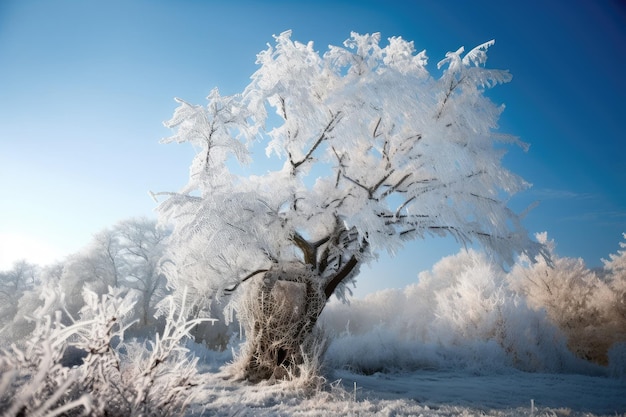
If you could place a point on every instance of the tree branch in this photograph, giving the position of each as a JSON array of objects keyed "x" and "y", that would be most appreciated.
[
  {"x": 244, "y": 279},
  {"x": 451, "y": 89},
  {"x": 382, "y": 180},
  {"x": 355, "y": 182},
  {"x": 395, "y": 187},
  {"x": 403, "y": 205},
  {"x": 329, "y": 127},
  {"x": 376, "y": 133},
  {"x": 340, "y": 276},
  {"x": 308, "y": 250}
]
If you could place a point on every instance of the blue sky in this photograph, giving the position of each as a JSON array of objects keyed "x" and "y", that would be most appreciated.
[{"x": 86, "y": 85}]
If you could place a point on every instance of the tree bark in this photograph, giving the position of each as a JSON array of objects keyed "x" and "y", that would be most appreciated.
[
  {"x": 280, "y": 308},
  {"x": 279, "y": 312}
]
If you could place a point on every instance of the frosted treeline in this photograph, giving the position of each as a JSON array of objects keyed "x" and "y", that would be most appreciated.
[
  {"x": 125, "y": 256},
  {"x": 467, "y": 312}
]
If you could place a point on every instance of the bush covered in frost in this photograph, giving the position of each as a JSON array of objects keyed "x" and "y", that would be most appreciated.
[
  {"x": 89, "y": 368},
  {"x": 469, "y": 313}
]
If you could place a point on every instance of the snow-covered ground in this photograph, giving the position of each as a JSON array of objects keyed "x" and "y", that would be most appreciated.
[
  {"x": 417, "y": 393},
  {"x": 515, "y": 390},
  {"x": 423, "y": 393}
]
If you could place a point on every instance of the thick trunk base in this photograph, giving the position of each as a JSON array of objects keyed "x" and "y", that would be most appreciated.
[{"x": 279, "y": 312}]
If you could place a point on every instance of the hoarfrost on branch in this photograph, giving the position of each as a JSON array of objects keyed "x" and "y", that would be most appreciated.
[{"x": 375, "y": 151}]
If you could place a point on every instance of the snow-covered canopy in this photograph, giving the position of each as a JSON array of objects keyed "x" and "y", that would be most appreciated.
[{"x": 376, "y": 151}]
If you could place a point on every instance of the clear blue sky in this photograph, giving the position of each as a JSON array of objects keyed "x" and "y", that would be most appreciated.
[{"x": 85, "y": 87}]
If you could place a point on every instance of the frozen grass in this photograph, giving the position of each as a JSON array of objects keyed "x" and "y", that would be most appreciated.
[
  {"x": 455, "y": 391},
  {"x": 104, "y": 375}
]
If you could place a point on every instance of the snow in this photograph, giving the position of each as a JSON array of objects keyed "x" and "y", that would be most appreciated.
[
  {"x": 419, "y": 393},
  {"x": 515, "y": 389}
]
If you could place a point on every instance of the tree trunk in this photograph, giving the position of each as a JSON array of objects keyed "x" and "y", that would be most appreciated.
[{"x": 279, "y": 311}]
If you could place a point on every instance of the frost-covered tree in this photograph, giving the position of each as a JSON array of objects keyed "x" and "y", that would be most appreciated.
[
  {"x": 21, "y": 324},
  {"x": 22, "y": 276},
  {"x": 143, "y": 245},
  {"x": 575, "y": 299},
  {"x": 459, "y": 314},
  {"x": 370, "y": 151},
  {"x": 615, "y": 268},
  {"x": 14, "y": 283},
  {"x": 125, "y": 255},
  {"x": 95, "y": 267}
]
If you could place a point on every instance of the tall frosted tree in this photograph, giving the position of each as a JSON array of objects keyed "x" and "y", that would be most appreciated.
[{"x": 369, "y": 151}]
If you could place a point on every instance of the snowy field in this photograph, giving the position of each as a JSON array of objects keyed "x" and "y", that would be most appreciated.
[
  {"x": 421, "y": 393},
  {"x": 499, "y": 391}
]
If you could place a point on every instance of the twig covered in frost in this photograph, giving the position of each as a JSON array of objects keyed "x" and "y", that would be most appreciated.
[
  {"x": 35, "y": 383},
  {"x": 166, "y": 379},
  {"x": 154, "y": 378}
]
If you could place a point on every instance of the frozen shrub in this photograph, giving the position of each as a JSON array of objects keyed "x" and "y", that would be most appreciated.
[
  {"x": 114, "y": 377},
  {"x": 615, "y": 269},
  {"x": 461, "y": 315},
  {"x": 34, "y": 382},
  {"x": 16, "y": 286},
  {"x": 575, "y": 300}
]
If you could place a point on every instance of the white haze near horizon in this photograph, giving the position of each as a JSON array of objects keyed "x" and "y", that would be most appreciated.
[{"x": 17, "y": 247}]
